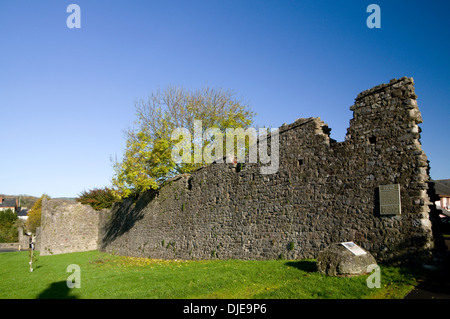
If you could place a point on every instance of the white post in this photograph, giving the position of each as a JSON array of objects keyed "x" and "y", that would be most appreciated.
[{"x": 31, "y": 258}]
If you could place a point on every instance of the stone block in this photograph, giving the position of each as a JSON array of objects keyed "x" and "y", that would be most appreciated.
[{"x": 336, "y": 260}]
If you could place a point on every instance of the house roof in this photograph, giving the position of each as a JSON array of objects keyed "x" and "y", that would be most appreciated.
[
  {"x": 22, "y": 212},
  {"x": 442, "y": 186},
  {"x": 445, "y": 212},
  {"x": 8, "y": 202}
]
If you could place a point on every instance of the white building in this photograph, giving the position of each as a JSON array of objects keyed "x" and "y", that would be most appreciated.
[
  {"x": 13, "y": 204},
  {"x": 9, "y": 203},
  {"x": 442, "y": 188}
]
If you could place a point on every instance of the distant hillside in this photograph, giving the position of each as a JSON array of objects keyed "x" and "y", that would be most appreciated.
[
  {"x": 66, "y": 198},
  {"x": 28, "y": 201},
  {"x": 25, "y": 200}
]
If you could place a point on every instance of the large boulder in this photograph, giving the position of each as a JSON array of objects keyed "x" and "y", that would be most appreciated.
[{"x": 336, "y": 260}]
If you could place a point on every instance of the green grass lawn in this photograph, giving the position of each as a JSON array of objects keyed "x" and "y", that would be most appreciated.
[{"x": 109, "y": 276}]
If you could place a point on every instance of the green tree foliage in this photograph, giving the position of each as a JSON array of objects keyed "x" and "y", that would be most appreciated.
[
  {"x": 34, "y": 215},
  {"x": 98, "y": 198},
  {"x": 8, "y": 228},
  {"x": 147, "y": 161}
]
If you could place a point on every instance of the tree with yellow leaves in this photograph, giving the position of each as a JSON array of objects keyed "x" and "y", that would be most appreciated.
[
  {"x": 34, "y": 215},
  {"x": 147, "y": 161}
]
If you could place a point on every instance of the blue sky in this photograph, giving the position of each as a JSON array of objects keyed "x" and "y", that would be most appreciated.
[{"x": 66, "y": 95}]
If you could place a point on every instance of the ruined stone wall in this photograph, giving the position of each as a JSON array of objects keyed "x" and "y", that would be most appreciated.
[
  {"x": 24, "y": 240},
  {"x": 324, "y": 192},
  {"x": 67, "y": 226}
]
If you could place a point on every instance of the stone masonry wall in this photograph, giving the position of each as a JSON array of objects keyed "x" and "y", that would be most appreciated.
[
  {"x": 67, "y": 226},
  {"x": 324, "y": 192}
]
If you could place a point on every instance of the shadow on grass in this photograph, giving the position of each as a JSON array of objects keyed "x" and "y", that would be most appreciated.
[
  {"x": 304, "y": 265},
  {"x": 57, "y": 290}
]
